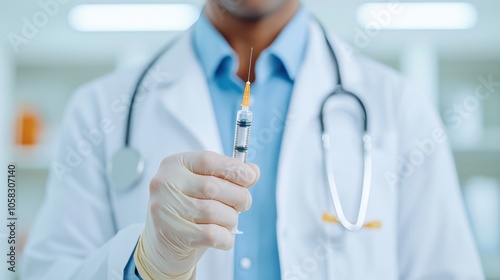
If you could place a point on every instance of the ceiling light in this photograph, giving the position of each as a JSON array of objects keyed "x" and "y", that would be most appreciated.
[
  {"x": 431, "y": 15},
  {"x": 133, "y": 17}
]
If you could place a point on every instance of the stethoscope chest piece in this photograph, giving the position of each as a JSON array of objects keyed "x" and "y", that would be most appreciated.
[{"x": 125, "y": 168}]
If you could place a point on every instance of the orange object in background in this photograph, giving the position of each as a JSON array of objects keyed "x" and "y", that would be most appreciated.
[{"x": 28, "y": 127}]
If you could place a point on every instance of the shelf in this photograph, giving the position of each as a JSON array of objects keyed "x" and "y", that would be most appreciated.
[
  {"x": 489, "y": 142},
  {"x": 471, "y": 163},
  {"x": 32, "y": 158}
]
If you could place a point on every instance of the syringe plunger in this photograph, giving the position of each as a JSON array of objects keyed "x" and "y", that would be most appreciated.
[{"x": 242, "y": 134}]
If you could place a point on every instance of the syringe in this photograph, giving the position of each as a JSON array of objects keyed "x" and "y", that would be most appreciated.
[
  {"x": 243, "y": 125},
  {"x": 243, "y": 122}
]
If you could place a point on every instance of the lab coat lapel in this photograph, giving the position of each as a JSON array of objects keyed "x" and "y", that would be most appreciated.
[
  {"x": 186, "y": 96},
  {"x": 315, "y": 81}
]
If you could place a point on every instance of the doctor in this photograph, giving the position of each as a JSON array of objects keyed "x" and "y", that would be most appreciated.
[{"x": 175, "y": 222}]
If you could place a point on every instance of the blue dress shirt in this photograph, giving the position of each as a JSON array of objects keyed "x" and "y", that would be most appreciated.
[{"x": 256, "y": 251}]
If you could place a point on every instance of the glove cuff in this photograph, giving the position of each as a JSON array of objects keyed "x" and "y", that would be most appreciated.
[{"x": 148, "y": 271}]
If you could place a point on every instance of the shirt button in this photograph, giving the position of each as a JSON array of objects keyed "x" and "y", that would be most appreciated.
[{"x": 245, "y": 263}]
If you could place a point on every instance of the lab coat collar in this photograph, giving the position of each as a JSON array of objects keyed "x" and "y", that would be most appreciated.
[
  {"x": 350, "y": 70},
  {"x": 185, "y": 94}
]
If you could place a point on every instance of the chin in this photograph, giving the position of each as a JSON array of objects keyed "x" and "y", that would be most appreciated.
[{"x": 251, "y": 9}]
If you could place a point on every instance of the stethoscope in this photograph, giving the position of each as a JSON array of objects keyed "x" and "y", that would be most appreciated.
[{"x": 126, "y": 166}]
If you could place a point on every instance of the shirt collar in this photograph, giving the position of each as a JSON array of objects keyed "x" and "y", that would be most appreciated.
[
  {"x": 210, "y": 46},
  {"x": 289, "y": 47}
]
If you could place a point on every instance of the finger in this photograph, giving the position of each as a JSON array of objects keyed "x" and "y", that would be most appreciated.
[
  {"x": 209, "y": 187},
  {"x": 255, "y": 168},
  {"x": 179, "y": 231},
  {"x": 194, "y": 210},
  {"x": 214, "y": 164},
  {"x": 214, "y": 212},
  {"x": 214, "y": 236}
]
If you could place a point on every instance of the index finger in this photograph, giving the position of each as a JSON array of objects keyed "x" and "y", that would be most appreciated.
[{"x": 217, "y": 165}]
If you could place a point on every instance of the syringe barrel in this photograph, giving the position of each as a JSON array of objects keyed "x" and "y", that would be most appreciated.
[{"x": 242, "y": 134}]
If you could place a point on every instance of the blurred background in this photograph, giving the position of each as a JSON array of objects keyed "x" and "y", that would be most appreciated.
[{"x": 49, "y": 48}]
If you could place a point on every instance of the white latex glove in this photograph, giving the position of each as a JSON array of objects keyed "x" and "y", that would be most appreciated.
[{"x": 194, "y": 202}]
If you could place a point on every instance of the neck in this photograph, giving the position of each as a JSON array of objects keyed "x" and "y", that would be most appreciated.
[{"x": 241, "y": 34}]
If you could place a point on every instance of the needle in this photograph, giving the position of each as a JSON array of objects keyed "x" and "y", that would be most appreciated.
[{"x": 250, "y": 64}]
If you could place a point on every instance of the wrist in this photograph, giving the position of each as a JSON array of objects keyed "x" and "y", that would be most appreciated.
[{"x": 145, "y": 265}]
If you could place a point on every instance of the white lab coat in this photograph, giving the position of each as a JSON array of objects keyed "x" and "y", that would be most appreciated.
[{"x": 424, "y": 233}]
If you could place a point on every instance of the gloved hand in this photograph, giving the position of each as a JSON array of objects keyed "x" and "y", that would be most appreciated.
[{"x": 194, "y": 202}]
